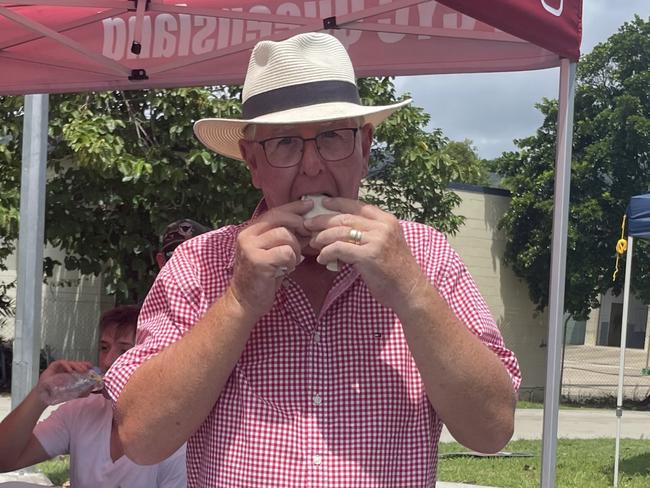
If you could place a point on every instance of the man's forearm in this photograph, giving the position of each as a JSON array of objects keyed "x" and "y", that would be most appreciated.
[
  {"x": 169, "y": 396},
  {"x": 16, "y": 430},
  {"x": 465, "y": 381}
]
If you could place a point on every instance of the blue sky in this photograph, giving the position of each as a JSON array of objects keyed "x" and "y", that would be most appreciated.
[{"x": 492, "y": 109}]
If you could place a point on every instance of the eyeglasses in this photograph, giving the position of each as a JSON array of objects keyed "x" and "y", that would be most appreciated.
[{"x": 287, "y": 151}]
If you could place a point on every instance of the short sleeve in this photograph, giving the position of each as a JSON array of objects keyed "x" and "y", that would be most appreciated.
[
  {"x": 452, "y": 279},
  {"x": 171, "y": 308},
  {"x": 172, "y": 472},
  {"x": 54, "y": 433}
]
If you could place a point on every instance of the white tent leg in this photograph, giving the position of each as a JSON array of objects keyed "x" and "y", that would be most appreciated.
[
  {"x": 558, "y": 271},
  {"x": 30, "y": 249},
  {"x": 621, "y": 365}
]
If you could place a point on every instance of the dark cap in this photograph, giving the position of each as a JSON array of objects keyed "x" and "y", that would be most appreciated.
[{"x": 180, "y": 231}]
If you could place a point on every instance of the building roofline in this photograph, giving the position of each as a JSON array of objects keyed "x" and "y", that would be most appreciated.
[{"x": 487, "y": 190}]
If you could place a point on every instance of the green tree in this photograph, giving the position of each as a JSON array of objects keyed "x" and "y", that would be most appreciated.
[
  {"x": 409, "y": 171},
  {"x": 466, "y": 155},
  {"x": 611, "y": 156},
  {"x": 122, "y": 165},
  {"x": 9, "y": 194}
]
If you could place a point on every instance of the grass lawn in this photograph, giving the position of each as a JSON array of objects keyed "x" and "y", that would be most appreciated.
[
  {"x": 580, "y": 464},
  {"x": 57, "y": 469},
  {"x": 526, "y": 404}
]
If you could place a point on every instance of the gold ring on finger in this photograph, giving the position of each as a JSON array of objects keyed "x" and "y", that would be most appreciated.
[{"x": 355, "y": 236}]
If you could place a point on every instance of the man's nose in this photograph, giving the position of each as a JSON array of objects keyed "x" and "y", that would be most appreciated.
[{"x": 311, "y": 163}]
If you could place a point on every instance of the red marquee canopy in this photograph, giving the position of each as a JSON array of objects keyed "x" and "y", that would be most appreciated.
[{"x": 77, "y": 45}]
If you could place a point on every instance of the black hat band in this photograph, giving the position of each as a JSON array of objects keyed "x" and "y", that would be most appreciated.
[{"x": 302, "y": 95}]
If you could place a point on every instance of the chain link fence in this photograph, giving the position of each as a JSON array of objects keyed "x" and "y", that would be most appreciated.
[{"x": 590, "y": 374}]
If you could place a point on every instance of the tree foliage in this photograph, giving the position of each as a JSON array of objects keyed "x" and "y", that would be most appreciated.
[
  {"x": 126, "y": 164},
  {"x": 610, "y": 163},
  {"x": 9, "y": 195},
  {"x": 409, "y": 169},
  {"x": 466, "y": 155},
  {"x": 122, "y": 165}
]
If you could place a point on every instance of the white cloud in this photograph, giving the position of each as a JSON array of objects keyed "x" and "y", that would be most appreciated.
[{"x": 492, "y": 109}]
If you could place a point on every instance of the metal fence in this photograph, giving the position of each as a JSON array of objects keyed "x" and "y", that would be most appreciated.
[{"x": 590, "y": 373}]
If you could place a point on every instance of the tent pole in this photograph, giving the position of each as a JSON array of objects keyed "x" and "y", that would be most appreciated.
[
  {"x": 621, "y": 362},
  {"x": 558, "y": 271},
  {"x": 647, "y": 355},
  {"x": 27, "y": 342}
]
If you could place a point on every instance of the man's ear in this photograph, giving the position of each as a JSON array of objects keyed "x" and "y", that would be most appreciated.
[
  {"x": 248, "y": 152},
  {"x": 367, "y": 133},
  {"x": 160, "y": 259}
]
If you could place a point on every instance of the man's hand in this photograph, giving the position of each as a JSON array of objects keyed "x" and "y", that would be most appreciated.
[
  {"x": 64, "y": 366},
  {"x": 382, "y": 255},
  {"x": 61, "y": 366},
  {"x": 268, "y": 249}
]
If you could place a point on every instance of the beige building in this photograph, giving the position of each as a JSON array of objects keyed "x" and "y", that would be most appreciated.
[
  {"x": 591, "y": 358},
  {"x": 481, "y": 245}
]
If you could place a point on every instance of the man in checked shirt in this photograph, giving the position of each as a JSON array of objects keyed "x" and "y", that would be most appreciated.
[{"x": 323, "y": 351}]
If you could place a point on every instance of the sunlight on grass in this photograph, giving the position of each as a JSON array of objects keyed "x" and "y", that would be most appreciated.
[
  {"x": 580, "y": 464},
  {"x": 526, "y": 404},
  {"x": 57, "y": 469}
]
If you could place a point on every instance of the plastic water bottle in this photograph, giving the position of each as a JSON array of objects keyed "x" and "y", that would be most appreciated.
[{"x": 62, "y": 387}]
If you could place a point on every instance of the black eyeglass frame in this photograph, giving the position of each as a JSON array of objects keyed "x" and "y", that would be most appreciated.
[{"x": 315, "y": 139}]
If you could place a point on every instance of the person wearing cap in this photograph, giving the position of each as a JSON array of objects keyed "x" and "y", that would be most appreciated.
[
  {"x": 175, "y": 234},
  {"x": 283, "y": 370}
]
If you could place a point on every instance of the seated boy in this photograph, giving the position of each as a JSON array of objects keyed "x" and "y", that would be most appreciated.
[{"x": 84, "y": 427}]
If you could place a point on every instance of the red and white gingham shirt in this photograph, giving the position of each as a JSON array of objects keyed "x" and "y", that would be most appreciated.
[{"x": 333, "y": 400}]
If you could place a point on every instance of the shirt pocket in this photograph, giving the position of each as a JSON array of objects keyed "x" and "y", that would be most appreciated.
[
  {"x": 380, "y": 389},
  {"x": 273, "y": 365}
]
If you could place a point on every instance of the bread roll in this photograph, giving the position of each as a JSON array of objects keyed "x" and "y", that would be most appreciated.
[{"x": 317, "y": 210}]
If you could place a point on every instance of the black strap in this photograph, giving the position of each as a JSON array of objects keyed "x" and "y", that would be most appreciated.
[{"x": 295, "y": 96}]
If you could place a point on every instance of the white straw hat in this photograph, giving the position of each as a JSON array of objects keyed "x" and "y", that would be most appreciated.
[{"x": 306, "y": 78}]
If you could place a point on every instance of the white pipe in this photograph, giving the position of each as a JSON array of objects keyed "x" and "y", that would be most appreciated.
[
  {"x": 27, "y": 343},
  {"x": 558, "y": 272},
  {"x": 621, "y": 365}
]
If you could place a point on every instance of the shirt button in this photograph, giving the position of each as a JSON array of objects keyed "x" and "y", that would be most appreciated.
[
  {"x": 317, "y": 459},
  {"x": 317, "y": 399},
  {"x": 316, "y": 338}
]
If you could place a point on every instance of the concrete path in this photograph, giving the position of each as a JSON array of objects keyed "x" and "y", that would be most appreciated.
[
  {"x": 573, "y": 423},
  {"x": 578, "y": 424},
  {"x": 24, "y": 477}
]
